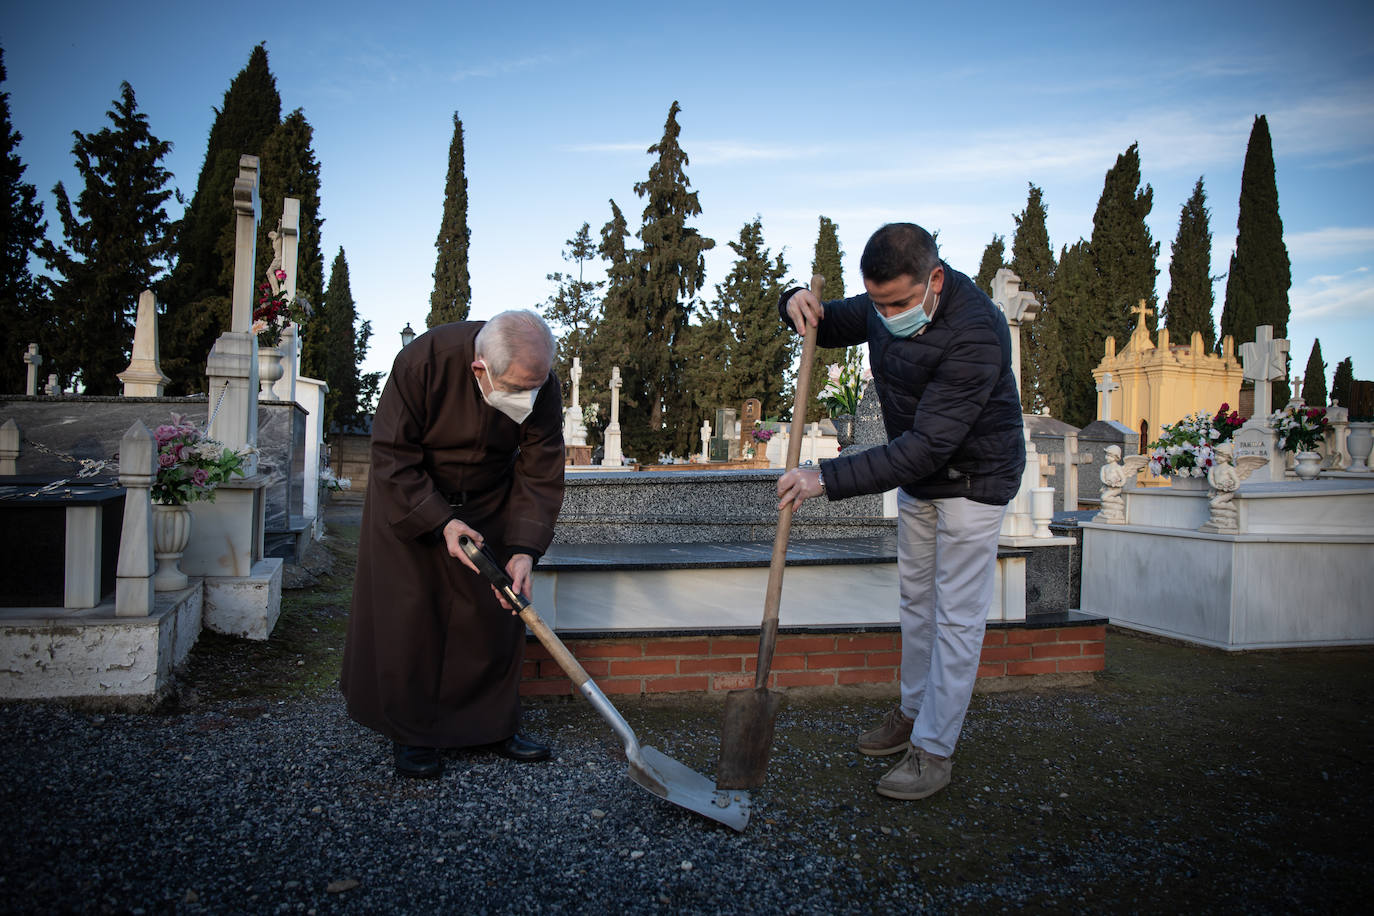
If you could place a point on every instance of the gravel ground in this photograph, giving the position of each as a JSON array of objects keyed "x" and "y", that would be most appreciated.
[{"x": 1183, "y": 779}]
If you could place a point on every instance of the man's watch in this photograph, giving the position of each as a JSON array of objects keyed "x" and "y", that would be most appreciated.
[{"x": 820, "y": 478}]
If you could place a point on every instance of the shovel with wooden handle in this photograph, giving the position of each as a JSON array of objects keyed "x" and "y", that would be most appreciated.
[
  {"x": 746, "y": 734},
  {"x": 652, "y": 769}
]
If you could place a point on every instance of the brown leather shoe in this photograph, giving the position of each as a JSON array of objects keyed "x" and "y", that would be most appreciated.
[{"x": 892, "y": 737}]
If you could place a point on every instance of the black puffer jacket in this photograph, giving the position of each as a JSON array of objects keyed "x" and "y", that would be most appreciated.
[{"x": 949, "y": 400}]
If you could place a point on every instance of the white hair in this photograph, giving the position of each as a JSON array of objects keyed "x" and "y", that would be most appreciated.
[{"x": 515, "y": 334}]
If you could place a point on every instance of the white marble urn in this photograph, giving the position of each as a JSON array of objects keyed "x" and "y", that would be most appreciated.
[{"x": 171, "y": 534}]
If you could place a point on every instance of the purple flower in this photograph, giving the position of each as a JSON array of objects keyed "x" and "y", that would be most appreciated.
[
  {"x": 165, "y": 460},
  {"x": 199, "y": 477}
]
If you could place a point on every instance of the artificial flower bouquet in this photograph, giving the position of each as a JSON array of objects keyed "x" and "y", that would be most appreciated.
[
  {"x": 190, "y": 465},
  {"x": 1300, "y": 429},
  {"x": 846, "y": 383}
]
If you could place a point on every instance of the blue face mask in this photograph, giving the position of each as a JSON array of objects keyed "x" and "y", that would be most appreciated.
[{"x": 910, "y": 322}]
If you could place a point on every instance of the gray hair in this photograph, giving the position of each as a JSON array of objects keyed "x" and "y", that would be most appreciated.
[{"x": 515, "y": 334}]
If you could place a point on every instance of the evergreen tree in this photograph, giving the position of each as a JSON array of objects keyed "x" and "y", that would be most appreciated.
[
  {"x": 452, "y": 294},
  {"x": 828, "y": 263},
  {"x": 661, "y": 280},
  {"x": 333, "y": 324},
  {"x": 573, "y": 305},
  {"x": 1073, "y": 314},
  {"x": 1341, "y": 382},
  {"x": 22, "y": 229},
  {"x": 1189, "y": 306},
  {"x": 759, "y": 354},
  {"x": 118, "y": 240},
  {"x": 197, "y": 295},
  {"x": 1032, "y": 259},
  {"x": 1314, "y": 378},
  {"x": 1260, "y": 275},
  {"x": 1123, "y": 252},
  {"x": 994, "y": 259}
]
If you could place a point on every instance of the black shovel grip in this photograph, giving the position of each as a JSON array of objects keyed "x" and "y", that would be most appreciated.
[{"x": 486, "y": 563}]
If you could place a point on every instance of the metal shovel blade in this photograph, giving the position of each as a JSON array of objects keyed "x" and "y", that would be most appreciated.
[
  {"x": 672, "y": 781},
  {"x": 746, "y": 737}
]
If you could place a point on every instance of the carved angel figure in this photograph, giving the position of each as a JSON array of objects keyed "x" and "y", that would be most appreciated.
[
  {"x": 1225, "y": 477},
  {"x": 1115, "y": 474}
]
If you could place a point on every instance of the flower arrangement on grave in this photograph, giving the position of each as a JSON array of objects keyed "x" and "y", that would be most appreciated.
[
  {"x": 190, "y": 465},
  {"x": 1226, "y": 424},
  {"x": 1300, "y": 429},
  {"x": 1187, "y": 448},
  {"x": 760, "y": 433},
  {"x": 334, "y": 483},
  {"x": 274, "y": 312},
  {"x": 845, "y": 384}
]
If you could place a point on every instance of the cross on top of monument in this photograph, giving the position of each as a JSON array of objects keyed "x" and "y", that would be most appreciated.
[
  {"x": 1263, "y": 361},
  {"x": 1105, "y": 388},
  {"x": 1143, "y": 310}
]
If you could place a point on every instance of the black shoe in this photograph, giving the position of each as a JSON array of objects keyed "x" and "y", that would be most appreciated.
[
  {"x": 520, "y": 749},
  {"x": 417, "y": 762}
]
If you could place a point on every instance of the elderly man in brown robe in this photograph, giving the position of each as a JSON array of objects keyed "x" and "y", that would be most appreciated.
[{"x": 467, "y": 440}]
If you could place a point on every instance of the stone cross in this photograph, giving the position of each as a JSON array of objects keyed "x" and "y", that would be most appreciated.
[
  {"x": 247, "y": 210},
  {"x": 33, "y": 360},
  {"x": 576, "y": 379},
  {"x": 1144, "y": 311},
  {"x": 52, "y": 387},
  {"x": 1263, "y": 362},
  {"x": 1105, "y": 388},
  {"x": 611, "y": 456},
  {"x": 1069, "y": 460},
  {"x": 233, "y": 364},
  {"x": 1019, "y": 308},
  {"x": 705, "y": 440}
]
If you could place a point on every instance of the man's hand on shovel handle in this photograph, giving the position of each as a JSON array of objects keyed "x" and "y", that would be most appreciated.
[
  {"x": 797, "y": 486},
  {"x": 804, "y": 306}
]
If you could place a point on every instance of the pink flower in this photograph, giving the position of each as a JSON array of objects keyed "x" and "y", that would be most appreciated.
[
  {"x": 199, "y": 476},
  {"x": 281, "y": 274},
  {"x": 165, "y": 434},
  {"x": 164, "y": 460}
]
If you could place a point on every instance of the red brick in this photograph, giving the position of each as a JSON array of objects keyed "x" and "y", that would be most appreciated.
[
  {"x": 1022, "y": 637},
  {"x": 1082, "y": 664},
  {"x": 546, "y": 688},
  {"x": 995, "y": 637},
  {"x": 1094, "y": 648},
  {"x": 662, "y": 647},
  {"x": 1057, "y": 650},
  {"x": 536, "y": 651},
  {"x": 594, "y": 668},
  {"x": 608, "y": 650},
  {"x": 788, "y": 645},
  {"x": 1005, "y": 653},
  {"x": 728, "y": 682},
  {"x": 645, "y": 666},
  {"x": 997, "y": 670},
  {"x": 676, "y": 684},
  {"x": 1048, "y": 666},
  {"x": 1070, "y": 634},
  {"x": 780, "y": 663},
  {"x": 874, "y": 642},
  {"x": 621, "y": 685},
  {"x": 819, "y": 660},
  {"x": 734, "y": 645},
  {"x": 804, "y": 679},
  {"x": 529, "y": 669},
  {"x": 884, "y": 659},
  {"x": 728, "y": 664},
  {"x": 867, "y": 676}
]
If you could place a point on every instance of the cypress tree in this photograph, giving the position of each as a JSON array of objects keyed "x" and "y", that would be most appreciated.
[
  {"x": 1314, "y": 378},
  {"x": 1190, "y": 302},
  {"x": 196, "y": 296},
  {"x": 22, "y": 229},
  {"x": 333, "y": 325},
  {"x": 1032, "y": 259},
  {"x": 1260, "y": 275},
  {"x": 1075, "y": 319},
  {"x": 827, "y": 262},
  {"x": 670, "y": 269},
  {"x": 118, "y": 240},
  {"x": 994, "y": 259},
  {"x": 452, "y": 294},
  {"x": 759, "y": 355},
  {"x": 1341, "y": 382},
  {"x": 1123, "y": 252}
]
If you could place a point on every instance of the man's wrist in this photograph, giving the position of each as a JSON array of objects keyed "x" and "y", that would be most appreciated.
[{"x": 820, "y": 479}]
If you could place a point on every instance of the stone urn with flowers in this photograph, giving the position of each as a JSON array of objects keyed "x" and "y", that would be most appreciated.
[
  {"x": 1300, "y": 432},
  {"x": 275, "y": 311},
  {"x": 189, "y": 467}
]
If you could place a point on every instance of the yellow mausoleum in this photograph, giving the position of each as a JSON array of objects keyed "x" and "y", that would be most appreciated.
[{"x": 1148, "y": 385}]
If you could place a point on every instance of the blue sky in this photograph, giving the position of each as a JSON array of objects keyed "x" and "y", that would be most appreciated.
[{"x": 863, "y": 112}]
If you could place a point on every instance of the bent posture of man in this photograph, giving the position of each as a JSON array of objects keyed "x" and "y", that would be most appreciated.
[
  {"x": 941, "y": 358},
  {"x": 467, "y": 440}
]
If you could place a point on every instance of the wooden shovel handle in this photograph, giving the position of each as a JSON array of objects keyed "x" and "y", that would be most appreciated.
[{"x": 768, "y": 635}]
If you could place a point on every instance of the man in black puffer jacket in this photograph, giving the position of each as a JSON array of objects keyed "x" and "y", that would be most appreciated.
[{"x": 941, "y": 358}]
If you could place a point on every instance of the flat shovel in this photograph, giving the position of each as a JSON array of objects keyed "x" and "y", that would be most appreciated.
[
  {"x": 655, "y": 771},
  {"x": 746, "y": 733}
]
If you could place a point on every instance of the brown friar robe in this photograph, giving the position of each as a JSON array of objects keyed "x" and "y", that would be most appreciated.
[{"x": 432, "y": 659}]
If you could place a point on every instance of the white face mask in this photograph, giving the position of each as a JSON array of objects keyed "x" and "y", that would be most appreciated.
[{"x": 517, "y": 405}]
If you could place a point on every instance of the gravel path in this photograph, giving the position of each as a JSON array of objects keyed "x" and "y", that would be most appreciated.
[{"x": 1183, "y": 780}]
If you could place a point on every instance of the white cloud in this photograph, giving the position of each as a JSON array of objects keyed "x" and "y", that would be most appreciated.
[
  {"x": 1331, "y": 241},
  {"x": 1347, "y": 295},
  {"x": 503, "y": 67}
]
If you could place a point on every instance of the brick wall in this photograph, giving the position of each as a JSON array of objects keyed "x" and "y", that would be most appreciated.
[{"x": 716, "y": 664}]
